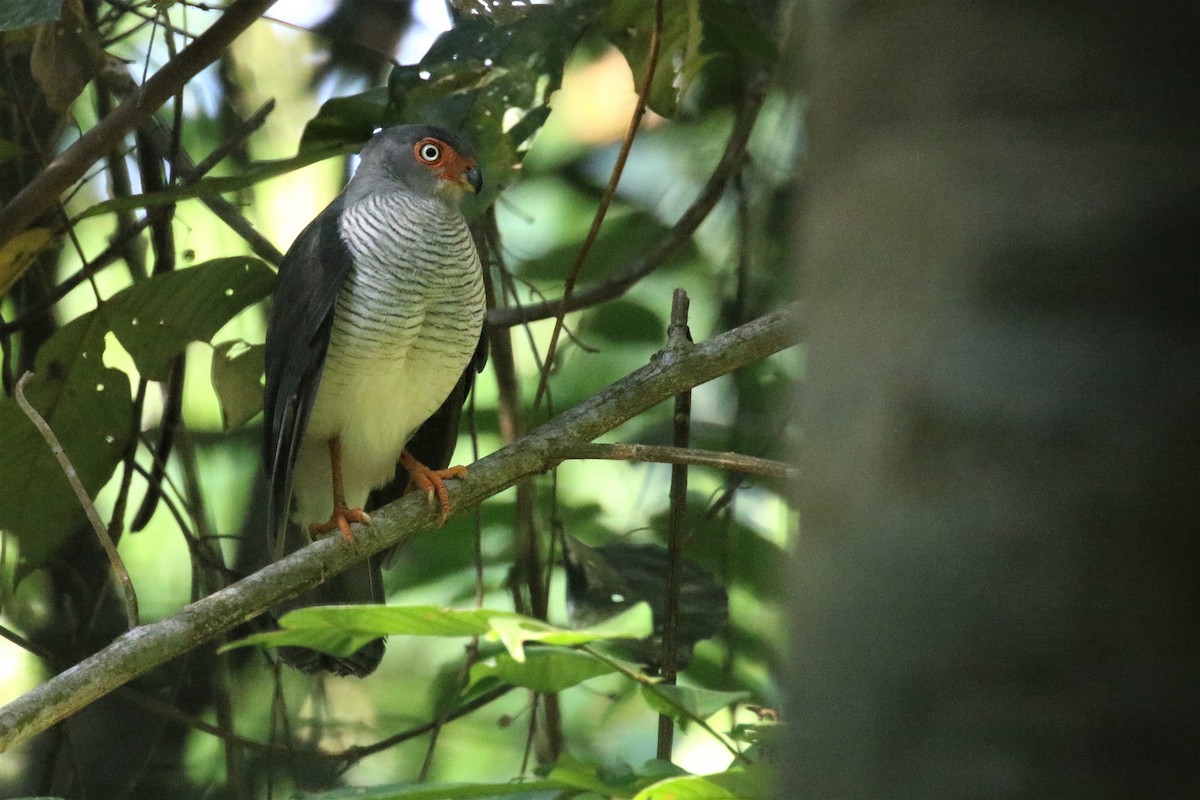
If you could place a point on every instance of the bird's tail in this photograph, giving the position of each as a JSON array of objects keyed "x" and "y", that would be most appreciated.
[{"x": 361, "y": 583}]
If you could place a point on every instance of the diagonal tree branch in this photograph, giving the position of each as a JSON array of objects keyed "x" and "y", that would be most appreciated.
[
  {"x": 141, "y": 649},
  {"x": 61, "y": 173}
]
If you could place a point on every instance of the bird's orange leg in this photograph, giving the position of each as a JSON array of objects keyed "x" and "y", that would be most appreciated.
[
  {"x": 342, "y": 515},
  {"x": 431, "y": 481}
]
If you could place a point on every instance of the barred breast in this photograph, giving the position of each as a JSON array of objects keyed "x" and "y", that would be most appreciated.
[{"x": 405, "y": 326}]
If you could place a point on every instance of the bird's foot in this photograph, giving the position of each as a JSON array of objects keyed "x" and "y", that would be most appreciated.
[
  {"x": 340, "y": 519},
  {"x": 432, "y": 481}
]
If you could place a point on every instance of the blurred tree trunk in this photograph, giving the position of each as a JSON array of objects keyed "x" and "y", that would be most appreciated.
[{"x": 996, "y": 590}]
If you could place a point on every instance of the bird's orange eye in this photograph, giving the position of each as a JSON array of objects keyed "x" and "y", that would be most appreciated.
[{"x": 428, "y": 150}]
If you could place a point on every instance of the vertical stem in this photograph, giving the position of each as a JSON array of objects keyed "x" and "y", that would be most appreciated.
[
  {"x": 678, "y": 337},
  {"x": 531, "y": 569}
]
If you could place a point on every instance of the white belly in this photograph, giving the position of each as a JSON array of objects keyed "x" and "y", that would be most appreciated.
[
  {"x": 402, "y": 335},
  {"x": 374, "y": 411}
]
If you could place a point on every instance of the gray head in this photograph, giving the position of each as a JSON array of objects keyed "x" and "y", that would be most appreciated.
[{"x": 416, "y": 158}]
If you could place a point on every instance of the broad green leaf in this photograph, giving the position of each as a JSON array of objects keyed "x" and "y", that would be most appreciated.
[
  {"x": 89, "y": 409},
  {"x": 581, "y": 775},
  {"x": 158, "y": 317},
  {"x": 687, "y": 787},
  {"x": 636, "y": 622},
  {"x": 18, "y": 254},
  {"x": 17, "y": 14},
  {"x": 444, "y": 791},
  {"x": 237, "y": 370},
  {"x": 733, "y": 29},
  {"x": 492, "y": 76},
  {"x": 340, "y": 630},
  {"x": 697, "y": 703},
  {"x": 624, "y": 321},
  {"x": 629, "y": 24},
  {"x": 346, "y": 120},
  {"x": 66, "y": 55},
  {"x": 256, "y": 173},
  {"x": 732, "y": 785},
  {"x": 544, "y": 669}
]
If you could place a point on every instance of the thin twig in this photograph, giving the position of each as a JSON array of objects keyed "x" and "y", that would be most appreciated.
[
  {"x": 610, "y": 191},
  {"x": 58, "y": 176},
  {"x": 661, "y": 454},
  {"x": 117, "y": 247},
  {"x": 110, "y": 549},
  {"x": 652, "y": 686},
  {"x": 357, "y": 753},
  {"x": 679, "y": 339}
]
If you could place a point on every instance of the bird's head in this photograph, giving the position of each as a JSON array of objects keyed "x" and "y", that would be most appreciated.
[{"x": 417, "y": 158}]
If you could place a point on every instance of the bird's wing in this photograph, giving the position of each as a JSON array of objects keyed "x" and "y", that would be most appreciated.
[{"x": 310, "y": 276}]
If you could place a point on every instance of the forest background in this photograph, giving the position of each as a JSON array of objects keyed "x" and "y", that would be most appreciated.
[
  {"x": 141, "y": 297},
  {"x": 990, "y": 209}
]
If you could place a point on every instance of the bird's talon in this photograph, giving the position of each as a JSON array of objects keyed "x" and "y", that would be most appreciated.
[
  {"x": 340, "y": 520},
  {"x": 432, "y": 481}
]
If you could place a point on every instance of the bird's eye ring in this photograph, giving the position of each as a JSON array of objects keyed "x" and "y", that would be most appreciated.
[{"x": 428, "y": 151}]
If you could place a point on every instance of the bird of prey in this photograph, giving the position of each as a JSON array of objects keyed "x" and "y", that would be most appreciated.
[{"x": 372, "y": 344}]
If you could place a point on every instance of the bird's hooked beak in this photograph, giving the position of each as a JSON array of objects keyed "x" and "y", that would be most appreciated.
[{"x": 472, "y": 179}]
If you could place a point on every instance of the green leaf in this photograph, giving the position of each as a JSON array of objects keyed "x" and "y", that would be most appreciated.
[
  {"x": 687, "y": 787},
  {"x": 733, "y": 30},
  {"x": 440, "y": 791},
  {"x": 19, "y": 253},
  {"x": 158, "y": 317},
  {"x": 89, "y": 409},
  {"x": 67, "y": 54},
  {"x": 340, "y": 630},
  {"x": 697, "y": 703},
  {"x": 732, "y": 784},
  {"x": 545, "y": 669},
  {"x": 629, "y": 24},
  {"x": 492, "y": 76},
  {"x": 17, "y": 14},
  {"x": 346, "y": 120},
  {"x": 635, "y": 622},
  {"x": 581, "y": 775},
  {"x": 237, "y": 370},
  {"x": 624, "y": 321}
]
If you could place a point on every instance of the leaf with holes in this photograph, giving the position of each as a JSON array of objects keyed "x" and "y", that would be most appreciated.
[
  {"x": 158, "y": 317},
  {"x": 66, "y": 55},
  {"x": 88, "y": 407},
  {"x": 630, "y": 23}
]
